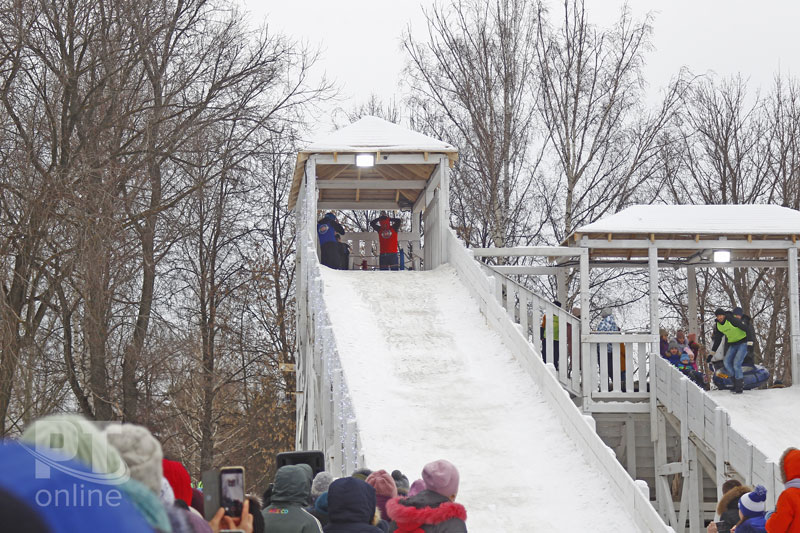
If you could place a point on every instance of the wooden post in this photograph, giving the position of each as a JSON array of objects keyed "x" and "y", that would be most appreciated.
[
  {"x": 444, "y": 206},
  {"x": 794, "y": 315},
  {"x": 561, "y": 286},
  {"x": 652, "y": 260},
  {"x": 415, "y": 214},
  {"x": 693, "y": 316},
  {"x": 588, "y": 367}
]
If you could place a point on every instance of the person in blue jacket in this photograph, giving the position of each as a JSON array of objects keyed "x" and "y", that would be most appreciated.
[
  {"x": 327, "y": 229},
  {"x": 752, "y": 511}
]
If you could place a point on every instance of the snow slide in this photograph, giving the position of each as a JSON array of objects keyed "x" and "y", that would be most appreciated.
[{"x": 429, "y": 379}]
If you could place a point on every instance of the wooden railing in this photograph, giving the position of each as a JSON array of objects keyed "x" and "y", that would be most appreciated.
[
  {"x": 528, "y": 309},
  {"x": 365, "y": 250},
  {"x": 619, "y": 363}
]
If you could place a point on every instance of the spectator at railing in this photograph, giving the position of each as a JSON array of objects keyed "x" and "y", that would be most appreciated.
[
  {"x": 609, "y": 325},
  {"x": 327, "y": 229},
  {"x": 674, "y": 353},
  {"x": 728, "y": 507},
  {"x": 663, "y": 339},
  {"x": 543, "y": 336},
  {"x": 680, "y": 338},
  {"x": 387, "y": 229}
]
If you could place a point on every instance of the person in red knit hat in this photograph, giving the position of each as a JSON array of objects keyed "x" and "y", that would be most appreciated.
[
  {"x": 385, "y": 489},
  {"x": 179, "y": 480}
]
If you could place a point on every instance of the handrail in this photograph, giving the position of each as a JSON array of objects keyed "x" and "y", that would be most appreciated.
[
  {"x": 700, "y": 415},
  {"x": 574, "y": 422}
]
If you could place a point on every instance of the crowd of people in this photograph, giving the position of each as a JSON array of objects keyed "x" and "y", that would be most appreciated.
[
  {"x": 336, "y": 254},
  {"x": 743, "y": 509},
  {"x": 68, "y": 474},
  {"x": 736, "y": 328}
]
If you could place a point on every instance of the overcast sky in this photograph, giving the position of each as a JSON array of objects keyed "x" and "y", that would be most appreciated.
[{"x": 360, "y": 39}]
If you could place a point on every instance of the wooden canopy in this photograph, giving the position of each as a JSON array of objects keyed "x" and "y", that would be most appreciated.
[{"x": 404, "y": 162}]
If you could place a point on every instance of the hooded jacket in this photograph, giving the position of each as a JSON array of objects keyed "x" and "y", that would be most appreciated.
[
  {"x": 728, "y": 507},
  {"x": 351, "y": 507},
  {"x": 290, "y": 495},
  {"x": 427, "y": 512},
  {"x": 733, "y": 329},
  {"x": 786, "y": 517}
]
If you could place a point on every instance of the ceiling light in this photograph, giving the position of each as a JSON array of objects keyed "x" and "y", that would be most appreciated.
[
  {"x": 365, "y": 160},
  {"x": 722, "y": 256}
]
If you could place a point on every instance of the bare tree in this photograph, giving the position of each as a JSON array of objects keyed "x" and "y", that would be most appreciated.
[{"x": 471, "y": 85}]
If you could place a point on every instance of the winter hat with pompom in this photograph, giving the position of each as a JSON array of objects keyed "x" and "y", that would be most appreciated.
[
  {"x": 320, "y": 484},
  {"x": 140, "y": 451},
  {"x": 401, "y": 481},
  {"x": 441, "y": 477},
  {"x": 362, "y": 473},
  {"x": 754, "y": 504}
]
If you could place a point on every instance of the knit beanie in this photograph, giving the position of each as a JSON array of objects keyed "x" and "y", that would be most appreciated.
[
  {"x": 720, "y": 311},
  {"x": 167, "y": 495},
  {"x": 321, "y": 505},
  {"x": 662, "y": 332},
  {"x": 320, "y": 484},
  {"x": 685, "y": 358},
  {"x": 401, "y": 482},
  {"x": 674, "y": 344},
  {"x": 441, "y": 477},
  {"x": 69, "y": 436},
  {"x": 754, "y": 503},
  {"x": 383, "y": 483},
  {"x": 179, "y": 480},
  {"x": 737, "y": 311},
  {"x": 416, "y": 487},
  {"x": 140, "y": 451},
  {"x": 362, "y": 473},
  {"x": 605, "y": 312}
]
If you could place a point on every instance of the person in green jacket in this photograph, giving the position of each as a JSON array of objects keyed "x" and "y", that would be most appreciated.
[
  {"x": 739, "y": 338},
  {"x": 290, "y": 495},
  {"x": 543, "y": 336}
]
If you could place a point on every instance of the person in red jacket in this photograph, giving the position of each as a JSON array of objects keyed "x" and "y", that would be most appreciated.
[
  {"x": 786, "y": 518},
  {"x": 387, "y": 229}
]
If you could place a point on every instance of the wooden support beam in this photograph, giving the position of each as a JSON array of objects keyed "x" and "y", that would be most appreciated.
[
  {"x": 390, "y": 184},
  {"x": 794, "y": 315}
]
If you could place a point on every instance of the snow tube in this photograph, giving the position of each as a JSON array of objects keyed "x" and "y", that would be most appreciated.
[{"x": 754, "y": 376}]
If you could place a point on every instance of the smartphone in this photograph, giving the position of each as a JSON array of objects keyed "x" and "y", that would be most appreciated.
[{"x": 231, "y": 490}]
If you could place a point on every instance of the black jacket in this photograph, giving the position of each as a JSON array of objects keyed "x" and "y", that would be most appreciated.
[
  {"x": 718, "y": 335},
  {"x": 338, "y": 228}
]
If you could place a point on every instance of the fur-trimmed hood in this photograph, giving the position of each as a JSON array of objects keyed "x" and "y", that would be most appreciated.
[
  {"x": 730, "y": 500},
  {"x": 790, "y": 464},
  {"x": 410, "y": 519}
]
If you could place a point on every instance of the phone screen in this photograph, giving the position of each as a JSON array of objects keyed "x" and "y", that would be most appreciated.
[{"x": 231, "y": 485}]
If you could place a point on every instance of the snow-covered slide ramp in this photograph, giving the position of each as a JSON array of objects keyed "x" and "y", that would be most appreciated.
[{"x": 428, "y": 379}]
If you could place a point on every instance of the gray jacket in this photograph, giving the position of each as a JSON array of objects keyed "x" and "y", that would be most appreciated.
[{"x": 290, "y": 495}]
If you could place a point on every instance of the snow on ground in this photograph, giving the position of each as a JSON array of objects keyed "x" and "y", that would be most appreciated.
[
  {"x": 769, "y": 418},
  {"x": 430, "y": 380}
]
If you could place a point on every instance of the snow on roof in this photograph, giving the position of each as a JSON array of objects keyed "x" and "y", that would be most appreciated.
[
  {"x": 696, "y": 219},
  {"x": 371, "y": 134}
]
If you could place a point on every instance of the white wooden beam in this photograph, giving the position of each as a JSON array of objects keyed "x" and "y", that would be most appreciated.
[
  {"x": 444, "y": 204},
  {"x": 527, "y": 270},
  {"x": 528, "y": 251},
  {"x": 587, "y": 384},
  {"x": 326, "y": 205},
  {"x": 372, "y": 184},
  {"x": 794, "y": 316},
  {"x": 384, "y": 159},
  {"x": 692, "y": 311},
  {"x": 561, "y": 290},
  {"x": 652, "y": 254},
  {"x": 678, "y": 244},
  {"x": 643, "y": 263}
]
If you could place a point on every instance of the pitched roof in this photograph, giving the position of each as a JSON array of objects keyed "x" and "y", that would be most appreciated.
[
  {"x": 371, "y": 134},
  {"x": 699, "y": 219}
]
